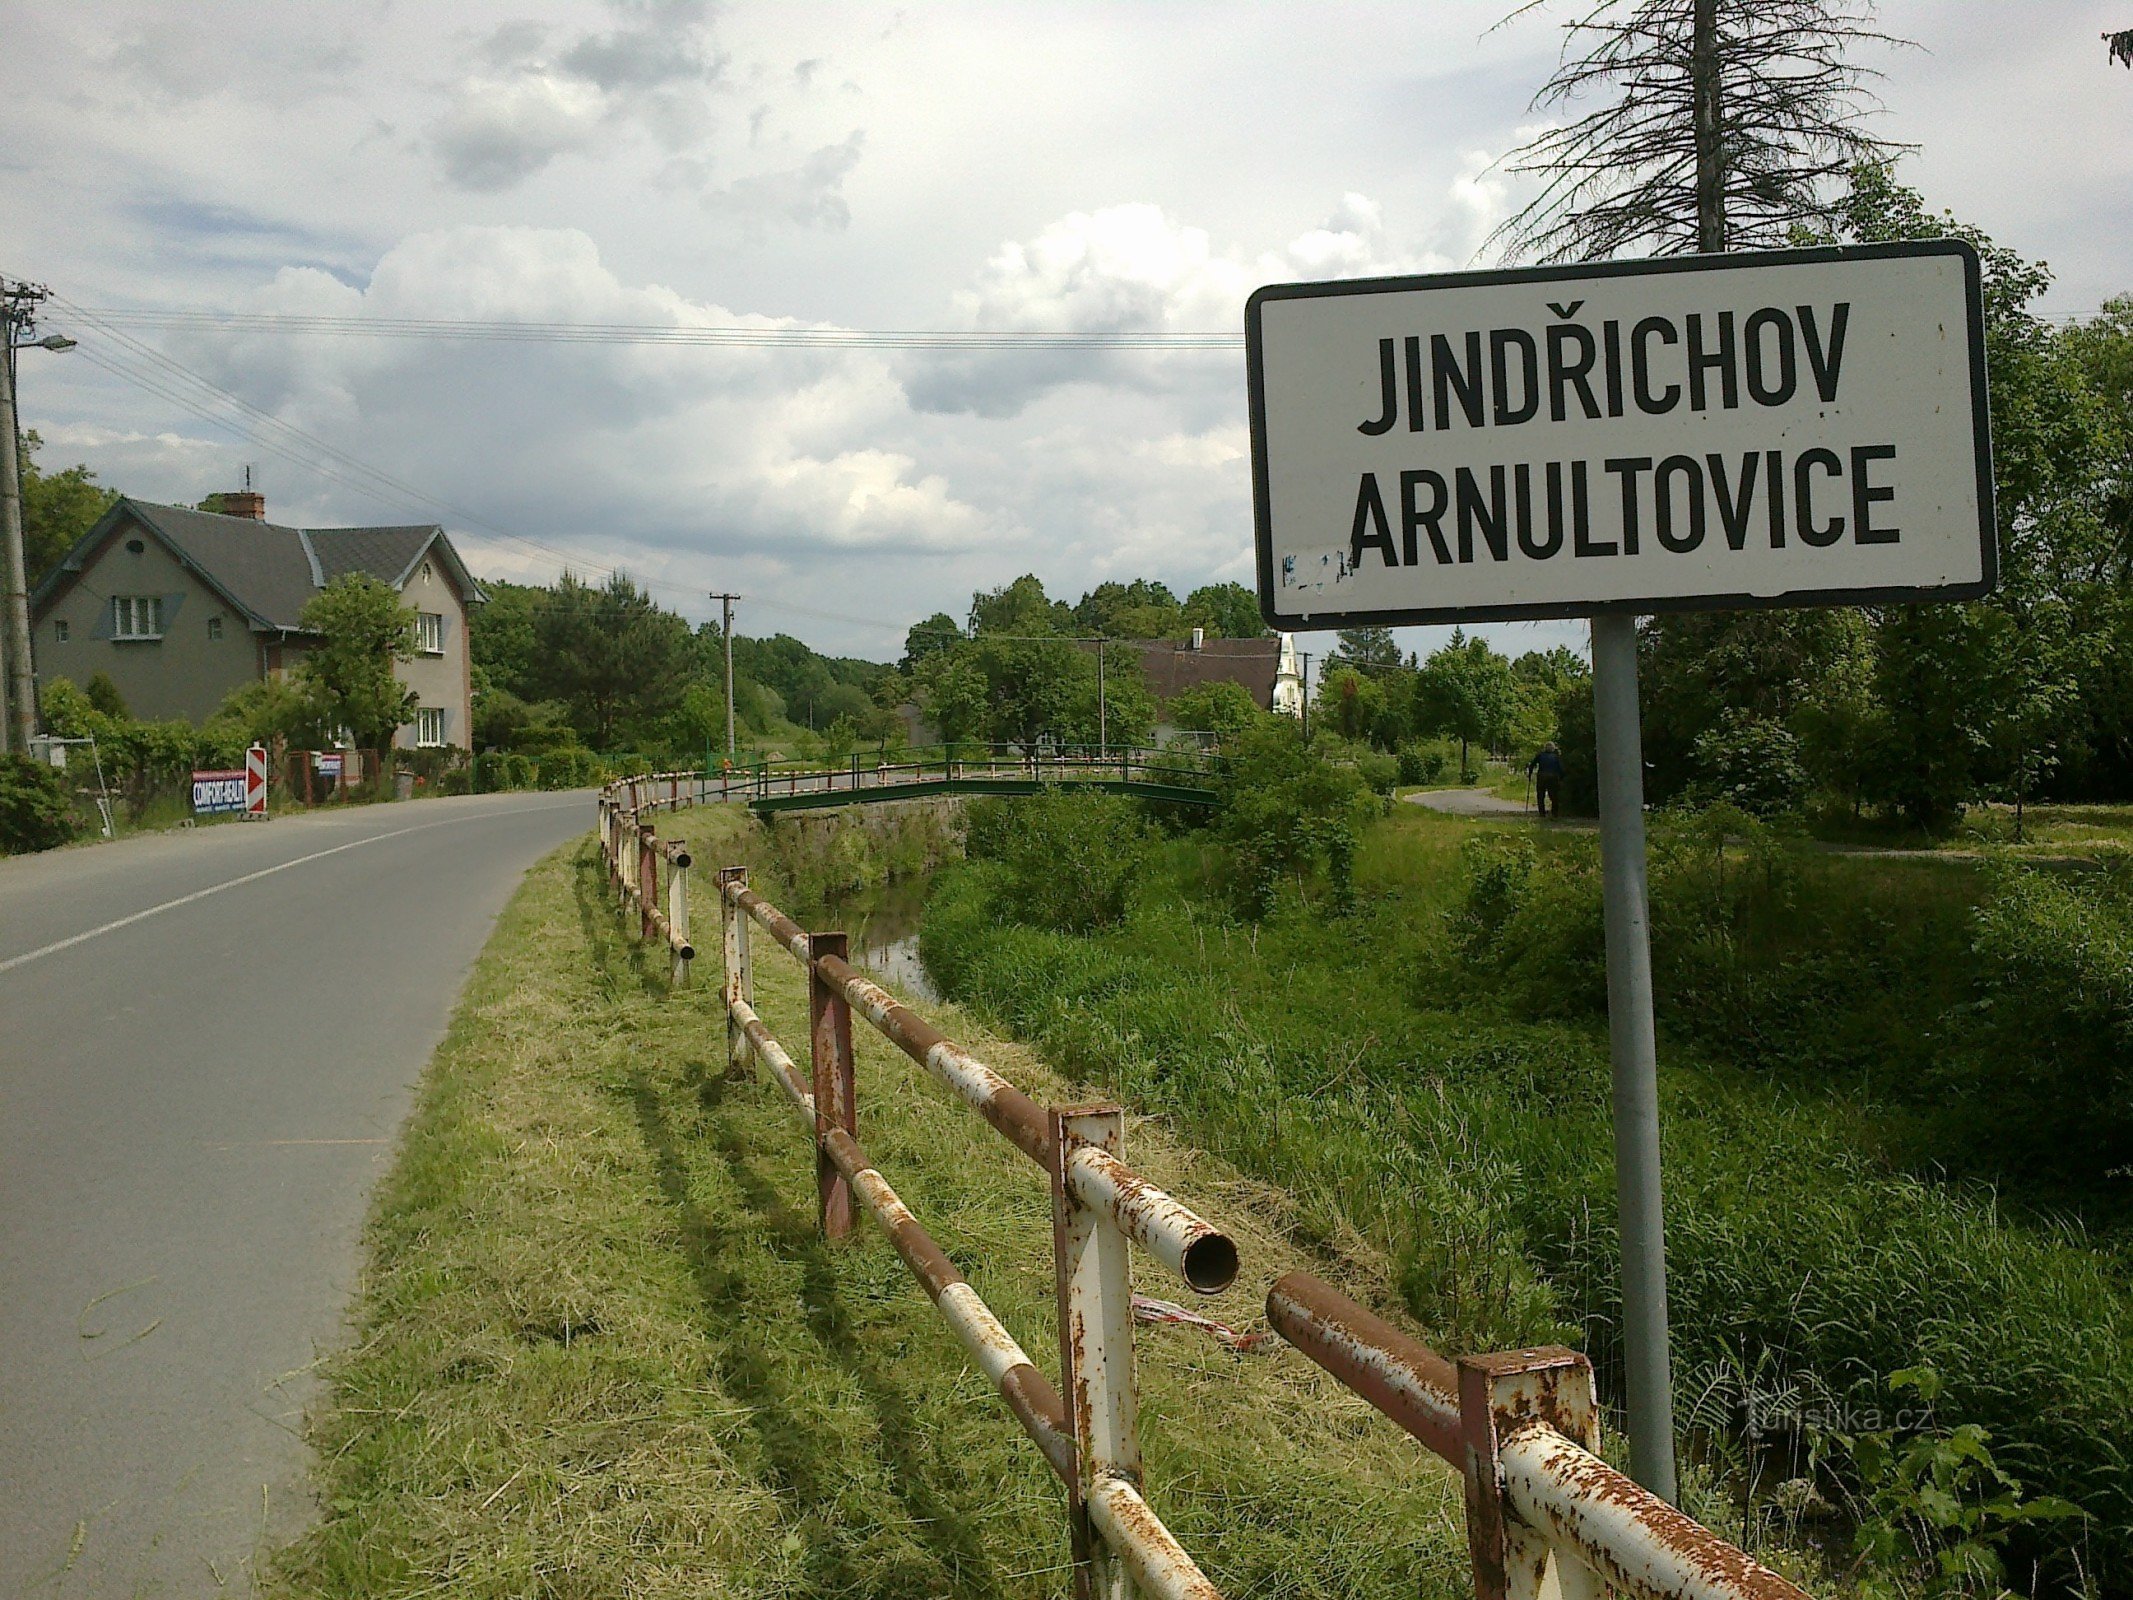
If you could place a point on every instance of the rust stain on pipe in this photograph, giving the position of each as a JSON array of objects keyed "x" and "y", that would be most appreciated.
[
  {"x": 1628, "y": 1535},
  {"x": 1028, "y": 1393},
  {"x": 1397, "y": 1373},
  {"x": 1159, "y": 1564},
  {"x": 1196, "y": 1250}
]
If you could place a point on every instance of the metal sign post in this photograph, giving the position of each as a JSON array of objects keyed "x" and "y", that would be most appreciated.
[{"x": 1797, "y": 427}]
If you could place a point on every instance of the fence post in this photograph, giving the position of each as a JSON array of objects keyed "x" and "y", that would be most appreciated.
[
  {"x": 1095, "y": 1293},
  {"x": 1497, "y": 1393},
  {"x": 647, "y": 878},
  {"x": 678, "y": 915},
  {"x": 829, "y": 1017},
  {"x": 739, "y": 981}
]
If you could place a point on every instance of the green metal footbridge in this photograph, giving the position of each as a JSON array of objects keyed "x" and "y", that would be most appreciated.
[{"x": 1178, "y": 777}]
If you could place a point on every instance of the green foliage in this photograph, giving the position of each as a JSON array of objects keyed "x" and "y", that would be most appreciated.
[
  {"x": 1749, "y": 762},
  {"x": 363, "y": 631},
  {"x": 1021, "y": 607},
  {"x": 35, "y": 813},
  {"x": 1396, "y": 1091},
  {"x": 1934, "y": 1510},
  {"x": 1225, "y": 611},
  {"x": 570, "y": 768},
  {"x": 1422, "y": 761},
  {"x": 2053, "y": 1032},
  {"x": 57, "y": 509},
  {"x": 611, "y": 654},
  {"x": 1068, "y": 860},
  {"x": 502, "y": 640},
  {"x": 1466, "y": 691},
  {"x": 1223, "y": 709},
  {"x": 1533, "y": 937},
  {"x": 1288, "y": 812},
  {"x": 105, "y": 696}
]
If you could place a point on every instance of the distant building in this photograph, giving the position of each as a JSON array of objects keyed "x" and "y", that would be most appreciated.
[
  {"x": 1266, "y": 667},
  {"x": 180, "y": 607}
]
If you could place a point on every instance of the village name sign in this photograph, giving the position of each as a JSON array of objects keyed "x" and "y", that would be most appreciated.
[{"x": 1794, "y": 427}]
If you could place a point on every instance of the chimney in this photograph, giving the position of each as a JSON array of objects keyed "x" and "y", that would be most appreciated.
[{"x": 242, "y": 503}]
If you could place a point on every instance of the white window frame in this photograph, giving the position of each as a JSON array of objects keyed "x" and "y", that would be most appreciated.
[
  {"x": 60, "y": 630},
  {"x": 214, "y": 628},
  {"x": 130, "y": 611},
  {"x": 429, "y": 633},
  {"x": 426, "y": 719}
]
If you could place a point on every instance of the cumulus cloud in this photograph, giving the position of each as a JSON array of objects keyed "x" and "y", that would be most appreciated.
[
  {"x": 534, "y": 95},
  {"x": 662, "y": 453},
  {"x": 1129, "y": 268},
  {"x": 810, "y": 194}
]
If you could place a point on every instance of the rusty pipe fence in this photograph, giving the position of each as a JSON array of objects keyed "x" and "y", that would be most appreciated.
[{"x": 1545, "y": 1515}]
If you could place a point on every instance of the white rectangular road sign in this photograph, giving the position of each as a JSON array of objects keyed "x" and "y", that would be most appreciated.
[{"x": 1798, "y": 427}]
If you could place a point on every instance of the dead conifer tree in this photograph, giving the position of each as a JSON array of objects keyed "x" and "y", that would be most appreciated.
[{"x": 1724, "y": 124}]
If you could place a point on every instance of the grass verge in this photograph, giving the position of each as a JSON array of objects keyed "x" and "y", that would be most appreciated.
[{"x": 600, "y": 1350}]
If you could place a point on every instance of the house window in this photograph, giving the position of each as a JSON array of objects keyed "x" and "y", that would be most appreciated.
[
  {"x": 136, "y": 616},
  {"x": 429, "y": 633},
  {"x": 429, "y": 725},
  {"x": 59, "y": 630},
  {"x": 214, "y": 627},
  {"x": 428, "y": 572}
]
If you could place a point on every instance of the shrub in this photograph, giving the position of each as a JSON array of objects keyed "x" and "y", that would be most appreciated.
[
  {"x": 569, "y": 768},
  {"x": 1068, "y": 860},
  {"x": 34, "y": 810},
  {"x": 2055, "y": 1019},
  {"x": 1750, "y": 762},
  {"x": 105, "y": 696},
  {"x": 1287, "y": 810},
  {"x": 1422, "y": 762}
]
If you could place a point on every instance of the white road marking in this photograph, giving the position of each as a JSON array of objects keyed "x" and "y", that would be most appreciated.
[{"x": 113, "y": 926}]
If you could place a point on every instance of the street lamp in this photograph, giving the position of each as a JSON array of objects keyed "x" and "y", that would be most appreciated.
[{"x": 18, "y": 314}]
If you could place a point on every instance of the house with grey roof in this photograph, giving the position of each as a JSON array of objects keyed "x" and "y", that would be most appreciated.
[{"x": 180, "y": 607}]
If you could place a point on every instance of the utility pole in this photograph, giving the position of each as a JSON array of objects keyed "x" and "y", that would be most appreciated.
[
  {"x": 1306, "y": 656},
  {"x": 1103, "y": 734},
  {"x": 18, "y": 320},
  {"x": 726, "y": 634}
]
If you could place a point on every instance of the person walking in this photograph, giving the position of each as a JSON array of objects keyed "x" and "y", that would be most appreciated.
[{"x": 1546, "y": 770}]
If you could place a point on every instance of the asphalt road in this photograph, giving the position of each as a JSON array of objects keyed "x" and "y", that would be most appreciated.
[{"x": 208, "y": 1041}]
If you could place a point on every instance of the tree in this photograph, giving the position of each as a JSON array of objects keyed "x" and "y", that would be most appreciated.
[
  {"x": 363, "y": 630},
  {"x": 1020, "y": 607},
  {"x": 937, "y": 633},
  {"x": 57, "y": 509},
  {"x": 2120, "y": 44},
  {"x": 1225, "y": 611},
  {"x": 502, "y": 638},
  {"x": 611, "y": 654},
  {"x": 1223, "y": 709},
  {"x": 1142, "y": 609},
  {"x": 1465, "y": 690},
  {"x": 1368, "y": 649},
  {"x": 1725, "y": 123}
]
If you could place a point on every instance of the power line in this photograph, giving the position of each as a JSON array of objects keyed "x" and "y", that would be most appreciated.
[{"x": 726, "y": 336}]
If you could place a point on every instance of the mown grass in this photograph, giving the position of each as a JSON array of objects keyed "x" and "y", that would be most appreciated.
[
  {"x": 1462, "y": 1125},
  {"x": 600, "y": 1350}
]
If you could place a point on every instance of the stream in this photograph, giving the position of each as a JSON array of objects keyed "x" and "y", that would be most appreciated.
[{"x": 883, "y": 924}]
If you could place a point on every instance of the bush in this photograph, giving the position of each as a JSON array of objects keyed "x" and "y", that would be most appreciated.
[
  {"x": 510, "y": 770},
  {"x": 1287, "y": 810},
  {"x": 1532, "y": 926},
  {"x": 1068, "y": 859},
  {"x": 34, "y": 810},
  {"x": 1750, "y": 762},
  {"x": 570, "y": 768},
  {"x": 1423, "y": 762},
  {"x": 2054, "y": 1071}
]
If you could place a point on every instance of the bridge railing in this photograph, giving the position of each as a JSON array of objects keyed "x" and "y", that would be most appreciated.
[{"x": 1545, "y": 1514}]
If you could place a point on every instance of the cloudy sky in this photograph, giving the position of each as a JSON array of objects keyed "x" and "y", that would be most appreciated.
[{"x": 1045, "y": 166}]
